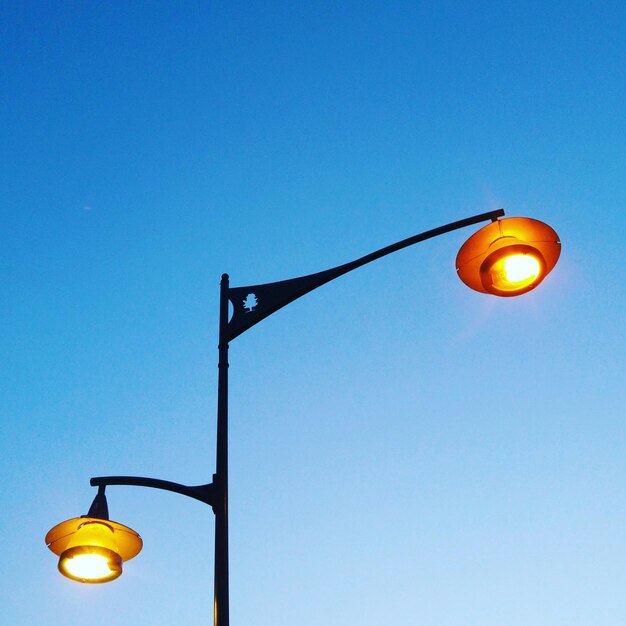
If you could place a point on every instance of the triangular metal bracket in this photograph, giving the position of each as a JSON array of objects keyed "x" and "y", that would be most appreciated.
[{"x": 253, "y": 303}]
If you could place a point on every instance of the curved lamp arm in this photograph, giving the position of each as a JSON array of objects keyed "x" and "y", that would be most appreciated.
[
  {"x": 253, "y": 303},
  {"x": 204, "y": 493}
]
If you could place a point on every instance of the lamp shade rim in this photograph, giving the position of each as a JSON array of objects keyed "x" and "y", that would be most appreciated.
[{"x": 128, "y": 541}]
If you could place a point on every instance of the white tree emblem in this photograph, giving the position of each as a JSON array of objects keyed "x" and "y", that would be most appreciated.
[{"x": 250, "y": 302}]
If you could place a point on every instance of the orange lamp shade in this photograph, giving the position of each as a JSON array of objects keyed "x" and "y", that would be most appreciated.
[
  {"x": 92, "y": 550},
  {"x": 508, "y": 257}
]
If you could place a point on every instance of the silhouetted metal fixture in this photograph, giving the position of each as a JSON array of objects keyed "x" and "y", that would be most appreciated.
[{"x": 505, "y": 258}]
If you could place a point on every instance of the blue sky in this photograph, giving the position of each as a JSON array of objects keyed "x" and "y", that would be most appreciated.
[{"x": 403, "y": 450}]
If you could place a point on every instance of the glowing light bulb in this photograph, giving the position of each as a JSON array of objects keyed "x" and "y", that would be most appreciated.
[
  {"x": 90, "y": 564},
  {"x": 90, "y": 567},
  {"x": 520, "y": 267},
  {"x": 512, "y": 270},
  {"x": 515, "y": 271}
]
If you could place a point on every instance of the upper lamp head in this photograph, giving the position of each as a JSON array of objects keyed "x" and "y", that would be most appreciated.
[
  {"x": 509, "y": 256},
  {"x": 92, "y": 550}
]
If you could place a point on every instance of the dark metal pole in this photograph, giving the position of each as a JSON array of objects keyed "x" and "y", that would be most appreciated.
[{"x": 220, "y": 479}]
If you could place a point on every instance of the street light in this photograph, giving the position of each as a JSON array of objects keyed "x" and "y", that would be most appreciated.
[
  {"x": 92, "y": 548},
  {"x": 507, "y": 257}
]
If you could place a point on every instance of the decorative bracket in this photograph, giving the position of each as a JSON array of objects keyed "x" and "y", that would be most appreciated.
[{"x": 256, "y": 302}]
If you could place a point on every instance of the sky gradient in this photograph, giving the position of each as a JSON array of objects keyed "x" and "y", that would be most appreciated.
[{"x": 403, "y": 450}]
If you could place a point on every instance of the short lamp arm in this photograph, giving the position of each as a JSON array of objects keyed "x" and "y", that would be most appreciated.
[{"x": 203, "y": 493}]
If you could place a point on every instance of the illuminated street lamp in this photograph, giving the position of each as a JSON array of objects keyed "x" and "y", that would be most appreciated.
[
  {"x": 92, "y": 548},
  {"x": 507, "y": 257}
]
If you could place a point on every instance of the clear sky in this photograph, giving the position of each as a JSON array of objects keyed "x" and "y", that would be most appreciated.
[{"x": 403, "y": 450}]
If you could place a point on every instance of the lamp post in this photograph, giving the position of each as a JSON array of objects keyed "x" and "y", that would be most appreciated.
[{"x": 508, "y": 257}]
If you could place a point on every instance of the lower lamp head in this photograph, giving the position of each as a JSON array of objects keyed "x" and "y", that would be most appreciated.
[{"x": 92, "y": 550}]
